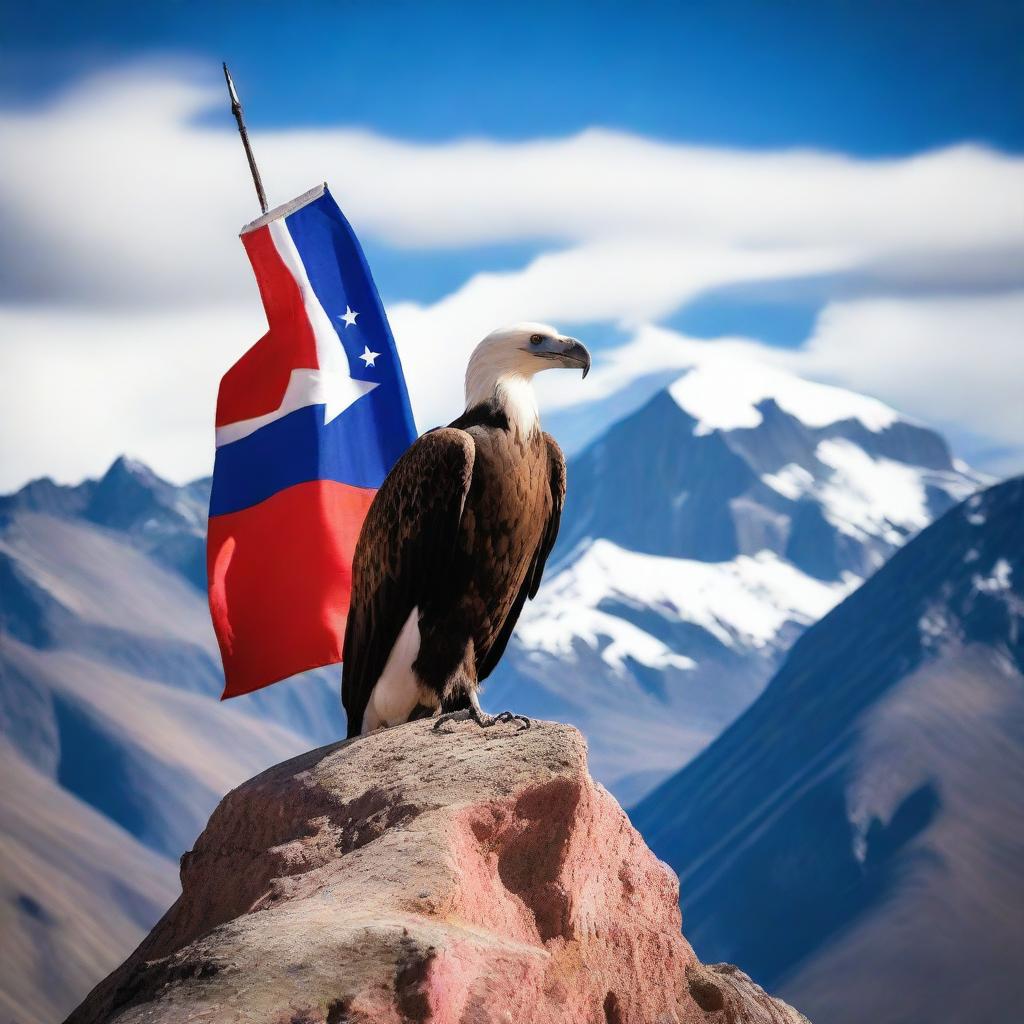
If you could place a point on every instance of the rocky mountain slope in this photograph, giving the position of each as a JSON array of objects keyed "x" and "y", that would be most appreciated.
[
  {"x": 70, "y": 555},
  {"x": 370, "y": 883},
  {"x": 855, "y": 838},
  {"x": 701, "y": 535}
]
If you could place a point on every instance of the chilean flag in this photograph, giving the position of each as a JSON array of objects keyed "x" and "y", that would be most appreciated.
[{"x": 309, "y": 422}]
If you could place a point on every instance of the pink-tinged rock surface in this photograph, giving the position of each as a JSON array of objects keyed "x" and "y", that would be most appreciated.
[{"x": 464, "y": 876}]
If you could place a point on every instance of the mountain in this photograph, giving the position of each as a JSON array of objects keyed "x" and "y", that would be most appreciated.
[
  {"x": 166, "y": 522},
  {"x": 114, "y": 569},
  {"x": 115, "y": 745},
  {"x": 701, "y": 535},
  {"x": 855, "y": 839}
]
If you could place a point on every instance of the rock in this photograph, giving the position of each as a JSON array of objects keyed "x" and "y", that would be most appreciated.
[{"x": 463, "y": 876}]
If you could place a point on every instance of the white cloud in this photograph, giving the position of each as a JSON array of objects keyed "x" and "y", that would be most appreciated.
[
  {"x": 627, "y": 282},
  {"x": 127, "y": 293},
  {"x": 79, "y": 387},
  {"x": 948, "y": 361},
  {"x": 115, "y": 193}
]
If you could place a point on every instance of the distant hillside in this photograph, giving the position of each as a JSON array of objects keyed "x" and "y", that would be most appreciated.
[
  {"x": 77, "y": 892},
  {"x": 855, "y": 839}
]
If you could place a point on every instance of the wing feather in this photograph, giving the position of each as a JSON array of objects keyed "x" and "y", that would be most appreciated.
[
  {"x": 531, "y": 584},
  {"x": 405, "y": 544}
]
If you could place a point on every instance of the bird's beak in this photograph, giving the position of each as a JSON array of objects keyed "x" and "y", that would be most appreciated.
[
  {"x": 562, "y": 352},
  {"x": 576, "y": 354}
]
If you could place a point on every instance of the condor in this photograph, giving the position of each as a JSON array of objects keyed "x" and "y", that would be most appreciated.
[{"x": 455, "y": 542}]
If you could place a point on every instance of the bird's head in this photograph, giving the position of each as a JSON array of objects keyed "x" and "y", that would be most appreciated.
[
  {"x": 503, "y": 364},
  {"x": 514, "y": 354}
]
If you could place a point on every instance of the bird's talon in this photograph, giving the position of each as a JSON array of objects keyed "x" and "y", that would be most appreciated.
[
  {"x": 444, "y": 720},
  {"x": 482, "y": 719},
  {"x": 510, "y": 716}
]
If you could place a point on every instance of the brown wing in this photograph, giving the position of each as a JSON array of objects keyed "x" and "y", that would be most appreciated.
[
  {"x": 407, "y": 539},
  {"x": 556, "y": 481}
]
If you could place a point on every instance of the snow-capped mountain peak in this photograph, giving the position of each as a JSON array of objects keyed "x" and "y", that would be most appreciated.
[
  {"x": 701, "y": 534},
  {"x": 742, "y": 603},
  {"x": 724, "y": 392}
]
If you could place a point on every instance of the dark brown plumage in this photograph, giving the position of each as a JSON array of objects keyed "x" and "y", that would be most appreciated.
[{"x": 477, "y": 508}]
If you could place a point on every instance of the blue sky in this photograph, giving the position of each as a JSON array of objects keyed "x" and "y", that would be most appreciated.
[
  {"x": 911, "y": 114},
  {"x": 872, "y": 78}
]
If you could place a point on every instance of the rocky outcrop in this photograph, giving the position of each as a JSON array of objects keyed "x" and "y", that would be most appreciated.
[{"x": 460, "y": 876}]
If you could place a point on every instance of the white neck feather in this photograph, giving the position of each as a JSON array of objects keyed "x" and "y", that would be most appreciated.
[
  {"x": 511, "y": 390},
  {"x": 515, "y": 395}
]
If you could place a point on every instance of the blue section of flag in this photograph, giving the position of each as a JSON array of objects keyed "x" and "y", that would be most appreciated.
[
  {"x": 351, "y": 449},
  {"x": 359, "y": 446},
  {"x": 340, "y": 276}
]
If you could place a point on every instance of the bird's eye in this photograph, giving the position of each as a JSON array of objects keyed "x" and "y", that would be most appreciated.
[{"x": 536, "y": 339}]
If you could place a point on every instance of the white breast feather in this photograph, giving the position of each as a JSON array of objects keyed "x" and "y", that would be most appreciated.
[{"x": 398, "y": 691}]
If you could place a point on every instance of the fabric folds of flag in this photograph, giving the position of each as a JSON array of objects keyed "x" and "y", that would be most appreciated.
[{"x": 309, "y": 422}]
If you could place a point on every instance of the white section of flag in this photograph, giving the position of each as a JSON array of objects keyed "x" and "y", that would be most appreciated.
[
  {"x": 335, "y": 391},
  {"x": 330, "y": 385}
]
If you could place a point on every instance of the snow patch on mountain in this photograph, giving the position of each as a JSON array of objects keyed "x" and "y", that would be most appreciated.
[
  {"x": 973, "y": 516},
  {"x": 997, "y": 581},
  {"x": 867, "y": 496},
  {"x": 723, "y": 392},
  {"x": 743, "y": 603},
  {"x": 615, "y": 639},
  {"x": 876, "y": 497}
]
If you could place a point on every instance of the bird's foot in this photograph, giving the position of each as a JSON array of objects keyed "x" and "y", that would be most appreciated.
[
  {"x": 484, "y": 720},
  {"x": 448, "y": 716},
  {"x": 509, "y": 716}
]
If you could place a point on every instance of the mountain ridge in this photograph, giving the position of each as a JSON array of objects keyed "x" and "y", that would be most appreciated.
[{"x": 845, "y": 801}]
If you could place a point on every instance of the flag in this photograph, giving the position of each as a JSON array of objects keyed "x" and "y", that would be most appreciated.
[{"x": 309, "y": 421}]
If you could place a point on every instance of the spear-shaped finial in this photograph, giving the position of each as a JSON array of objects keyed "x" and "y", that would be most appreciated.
[{"x": 236, "y": 109}]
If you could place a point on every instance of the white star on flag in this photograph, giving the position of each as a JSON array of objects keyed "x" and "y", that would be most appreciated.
[
  {"x": 349, "y": 316},
  {"x": 368, "y": 357}
]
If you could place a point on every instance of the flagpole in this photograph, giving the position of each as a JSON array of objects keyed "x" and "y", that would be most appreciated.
[{"x": 236, "y": 109}]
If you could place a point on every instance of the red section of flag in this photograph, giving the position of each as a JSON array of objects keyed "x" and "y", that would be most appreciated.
[
  {"x": 255, "y": 385},
  {"x": 280, "y": 579}
]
